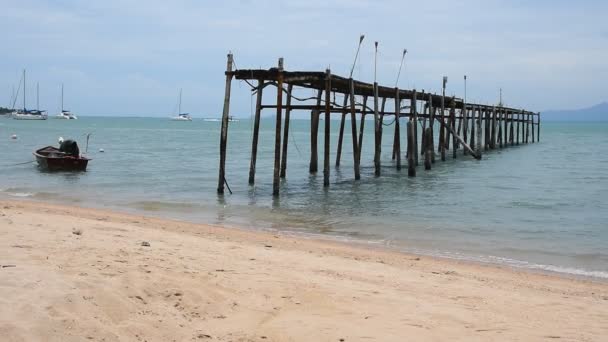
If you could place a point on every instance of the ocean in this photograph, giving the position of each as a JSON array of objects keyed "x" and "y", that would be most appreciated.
[{"x": 541, "y": 206}]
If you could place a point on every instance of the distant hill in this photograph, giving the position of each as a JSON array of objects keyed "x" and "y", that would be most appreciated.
[{"x": 598, "y": 112}]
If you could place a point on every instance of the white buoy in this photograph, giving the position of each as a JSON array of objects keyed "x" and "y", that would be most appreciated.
[
  {"x": 14, "y": 136},
  {"x": 101, "y": 150}
]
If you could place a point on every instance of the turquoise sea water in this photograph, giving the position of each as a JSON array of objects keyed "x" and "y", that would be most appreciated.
[{"x": 540, "y": 206}]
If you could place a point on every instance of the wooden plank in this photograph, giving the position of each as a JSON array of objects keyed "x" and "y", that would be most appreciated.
[
  {"x": 256, "y": 131},
  {"x": 224, "y": 131},
  {"x": 277, "y": 135},
  {"x": 286, "y": 132}
]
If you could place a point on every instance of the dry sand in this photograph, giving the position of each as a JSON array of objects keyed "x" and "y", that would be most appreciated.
[{"x": 74, "y": 274}]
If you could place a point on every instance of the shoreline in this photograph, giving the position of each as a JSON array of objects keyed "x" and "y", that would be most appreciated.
[
  {"x": 197, "y": 280},
  {"x": 518, "y": 265}
]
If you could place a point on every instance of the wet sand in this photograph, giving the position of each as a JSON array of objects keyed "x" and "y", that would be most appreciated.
[{"x": 76, "y": 274}]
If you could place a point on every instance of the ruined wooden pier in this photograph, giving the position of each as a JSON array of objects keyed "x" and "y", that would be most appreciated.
[{"x": 469, "y": 127}]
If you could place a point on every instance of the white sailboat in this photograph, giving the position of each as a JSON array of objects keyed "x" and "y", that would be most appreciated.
[
  {"x": 181, "y": 116},
  {"x": 65, "y": 114},
  {"x": 24, "y": 114}
]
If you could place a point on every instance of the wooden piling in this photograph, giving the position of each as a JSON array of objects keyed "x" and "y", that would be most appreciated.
[
  {"x": 512, "y": 129},
  {"x": 341, "y": 133},
  {"x": 486, "y": 129},
  {"x": 499, "y": 115},
  {"x": 532, "y": 125},
  {"x": 493, "y": 132},
  {"x": 286, "y": 131},
  {"x": 353, "y": 120},
  {"x": 277, "y": 136},
  {"x": 473, "y": 126},
  {"x": 538, "y": 128},
  {"x": 314, "y": 133},
  {"x": 256, "y": 131},
  {"x": 478, "y": 149},
  {"x": 517, "y": 119},
  {"x": 327, "y": 128},
  {"x": 224, "y": 130},
  {"x": 423, "y": 137},
  {"x": 414, "y": 109},
  {"x": 454, "y": 135},
  {"x": 465, "y": 125},
  {"x": 362, "y": 128},
  {"x": 411, "y": 149},
  {"x": 431, "y": 125},
  {"x": 428, "y": 133},
  {"x": 397, "y": 142},
  {"x": 377, "y": 132},
  {"x": 442, "y": 129}
]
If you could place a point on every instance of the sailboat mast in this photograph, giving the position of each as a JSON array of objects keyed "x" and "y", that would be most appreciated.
[
  {"x": 62, "y": 97},
  {"x": 23, "y": 89},
  {"x": 37, "y": 95},
  {"x": 179, "y": 110}
]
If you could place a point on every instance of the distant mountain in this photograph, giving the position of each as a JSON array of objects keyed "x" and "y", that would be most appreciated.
[{"x": 598, "y": 112}]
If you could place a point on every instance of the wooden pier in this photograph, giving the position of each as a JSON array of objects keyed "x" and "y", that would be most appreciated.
[{"x": 469, "y": 127}]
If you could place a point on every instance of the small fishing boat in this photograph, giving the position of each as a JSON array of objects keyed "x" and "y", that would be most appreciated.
[
  {"x": 181, "y": 116},
  {"x": 65, "y": 158}
]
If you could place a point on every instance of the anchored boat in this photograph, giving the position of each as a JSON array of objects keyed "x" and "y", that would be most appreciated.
[{"x": 65, "y": 158}]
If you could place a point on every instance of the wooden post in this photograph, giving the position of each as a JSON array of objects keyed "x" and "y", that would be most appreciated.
[
  {"x": 377, "y": 132},
  {"x": 277, "y": 135},
  {"x": 464, "y": 143},
  {"x": 511, "y": 130},
  {"x": 478, "y": 149},
  {"x": 447, "y": 132},
  {"x": 431, "y": 125},
  {"x": 327, "y": 128},
  {"x": 429, "y": 148},
  {"x": 442, "y": 129},
  {"x": 465, "y": 125},
  {"x": 411, "y": 149},
  {"x": 397, "y": 142},
  {"x": 380, "y": 127},
  {"x": 499, "y": 113},
  {"x": 314, "y": 133},
  {"x": 224, "y": 132},
  {"x": 414, "y": 109},
  {"x": 361, "y": 128},
  {"x": 473, "y": 126},
  {"x": 341, "y": 134},
  {"x": 538, "y": 128},
  {"x": 517, "y": 120},
  {"x": 453, "y": 120},
  {"x": 486, "y": 129},
  {"x": 457, "y": 146},
  {"x": 505, "y": 124},
  {"x": 256, "y": 131},
  {"x": 423, "y": 137},
  {"x": 286, "y": 131},
  {"x": 353, "y": 121},
  {"x": 493, "y": 136},
  {"x": 532, "y": 126},
  {"x": 527, "y": 127}
]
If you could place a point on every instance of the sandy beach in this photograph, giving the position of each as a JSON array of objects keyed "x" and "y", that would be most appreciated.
[{"x": 76, "y": 274}]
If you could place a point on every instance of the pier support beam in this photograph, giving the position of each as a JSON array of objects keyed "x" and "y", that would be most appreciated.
[
  {"x": 414, "y": 108},
  {"x": 314, "y": 133},
  {"x": 224, "y": 130},
  {"x": 478, "y": 148},
  {"x": 327, "y": 128},
  {"x": 353, "y": 121},
  {"x": 411, "y": 149},
  {"x": 431, "y": 125},
  {"x": 362, "y": 128},
  {"x": 442, "y": 129},
  {"x": 377, "y": 132},
  {"x": 341, "y": 134},
  {"x": 473, "y": 126},
  {"x": 256, "y": 131},
  {"x": 397, "y": 141},
  {"x": 453, "y": 126},
  {"x": 428, "y": 144},
  {"x": 286, "y": 131},
  {"x": 277, "y": 135}
]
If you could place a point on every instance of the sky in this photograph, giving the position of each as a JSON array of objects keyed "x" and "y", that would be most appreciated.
[{"x": 130, "y": 58}]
